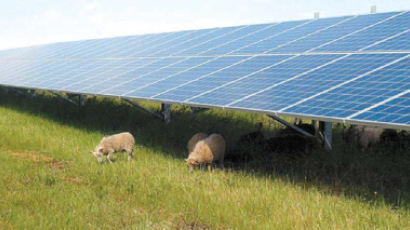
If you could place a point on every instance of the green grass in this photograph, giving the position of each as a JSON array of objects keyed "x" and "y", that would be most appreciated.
[{"x": 48, "y": 180}]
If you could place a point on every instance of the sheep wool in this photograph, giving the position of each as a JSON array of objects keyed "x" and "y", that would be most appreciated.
[
  {"x": 207, "y": 151},
  {"x": 194, "y": 139},
  {"x": 115, "y": 143},
  {"x": 363, "y": 136}
]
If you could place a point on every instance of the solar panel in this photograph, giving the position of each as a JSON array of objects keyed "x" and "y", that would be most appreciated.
[{"x": 348, "y": 69}]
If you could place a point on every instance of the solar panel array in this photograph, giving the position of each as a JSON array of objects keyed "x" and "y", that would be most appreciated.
[{"x": 350, "y": 69}]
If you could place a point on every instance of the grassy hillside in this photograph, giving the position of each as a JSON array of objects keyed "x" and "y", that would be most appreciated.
[{"x": 49, "y": 180}]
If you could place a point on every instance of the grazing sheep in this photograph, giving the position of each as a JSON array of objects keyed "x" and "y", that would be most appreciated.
[
  {"x": 207, "y": 151},
  {"x": 363, "y": 136},
  {"x": 252, "y": 138},
  {"x": 294, "y": 144},
  {"x": 115, "y": 143},
  {"x": 194, "y": 139},
  {"x": 247, "y": 146}
]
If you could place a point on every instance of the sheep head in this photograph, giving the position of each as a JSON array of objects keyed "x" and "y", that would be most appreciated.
[
  {"x": 98, "y": 154},
  {"x": 191, "y": 164}
]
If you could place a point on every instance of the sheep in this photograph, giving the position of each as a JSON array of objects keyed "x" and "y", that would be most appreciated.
[
  {"x": 294, "y": 144},
  {"x": 363, "y": 136},
  {"x": 252, "y": 138},
  {"x": 194, "y": 139},
  {"x": 247, "y": 145},
  {"x": 115, "y": 143},
  {"x": 207, "y": 151}
]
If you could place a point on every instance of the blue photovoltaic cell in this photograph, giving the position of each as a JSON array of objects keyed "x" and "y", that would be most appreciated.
[
  {"x": 98, "y": 47},
  {"x": 219, "y": 41},
  {"x": 401, "y": 42},
  {"x": 55, "y": 71},
  {"x": 103, "y": 69},
  {"x": 333, "y": 33},
  {"x": 289, "y": 36},
  {"x": 193, "y": 42},
  {"x": 294, "y": 66},
  {"x": 244, "y": 41},
  {"x": 283, "y": 95},
  {"x": 222, "y": 77},
  {"x": 130, "y": 69},
  {"x": 156, "y": 50},
  {"x": 359, "y": 94},
  {"x": 154, "y": 88},
  {"x": 149, "y": 77},
  {"x": 371, "y": 35},
  {"x": 27, "y": 70},
  {"x": 163, "y": 42},
  {"x": 396, "y": 111}
]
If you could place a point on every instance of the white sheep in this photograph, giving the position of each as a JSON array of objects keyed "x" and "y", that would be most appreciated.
[
  {"x": 115, "y": 143},
  {"x": 194, "y": 139},
  {"x": 207, "y": 151}
]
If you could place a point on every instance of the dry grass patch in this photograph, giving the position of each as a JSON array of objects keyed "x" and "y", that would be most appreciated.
[
  {"x": 5, "y": 225},
  {"x": 183, "y": 224},
  {"x": 57, "y": 166}
]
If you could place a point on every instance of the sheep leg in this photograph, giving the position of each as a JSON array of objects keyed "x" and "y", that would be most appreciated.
[
  {"x": 209, "y": 167},
  {"x": 109, "y": 157},
  {"x": 221, "y": 163},
  {"x": 130, "y": 154}
]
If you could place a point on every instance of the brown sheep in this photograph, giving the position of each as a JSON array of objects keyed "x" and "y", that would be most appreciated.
[
  {"x": 207, "y": 151},
  {"x": 115, "y": 143}
]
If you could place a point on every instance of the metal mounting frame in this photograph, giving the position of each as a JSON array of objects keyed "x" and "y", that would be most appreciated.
[
  {"x": 166, "y": 112},
  {"x": 196, "y": 110},
  {"x": 297, "y": 129},
  {"x": 66, "y": 98},
  {"x": 142, "y": 108},
  {"x": 325, "y": 129}
]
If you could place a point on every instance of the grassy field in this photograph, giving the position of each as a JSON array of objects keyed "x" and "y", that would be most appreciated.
[{"x": 49, "y": 180}]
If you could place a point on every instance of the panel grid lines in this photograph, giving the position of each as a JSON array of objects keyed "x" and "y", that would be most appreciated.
[
  {"x": 357, "y": 31},
  {"x": 282, "y": 82},
  {"x": 344, "y": 83}
]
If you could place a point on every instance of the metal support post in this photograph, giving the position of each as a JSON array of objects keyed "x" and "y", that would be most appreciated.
[
  {"x": 326, "y": 129},
  {"x": 81, "y": 100},
  {"x": 314, "y": 124},
  {"x": 166, "y": 112}
]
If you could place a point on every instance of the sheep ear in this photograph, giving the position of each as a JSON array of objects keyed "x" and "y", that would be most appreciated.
[
  {"x": 100, "y": 149},
  {"x": 186, "y": 159}
]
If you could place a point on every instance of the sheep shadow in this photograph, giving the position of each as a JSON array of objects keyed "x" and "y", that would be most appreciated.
[{"x": 379, "y": 173}]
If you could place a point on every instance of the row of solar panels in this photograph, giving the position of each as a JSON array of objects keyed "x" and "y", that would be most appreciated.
[
  {"x": 333, "y": 86},
  {"x": 294, "y": 69},
  {"x": 339, "y": 34}
]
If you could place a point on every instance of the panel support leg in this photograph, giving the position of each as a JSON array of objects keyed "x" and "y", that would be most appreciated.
[
  {"x": 142, "y": 108},
  {"x": 81, "y": 100},
  {"x": 196, "y": 110},
  {"x": 326, "y": 129},
  {"x": 166, "y": 112},
  {"x": 314, "y": 124},
  {"x": 283, "y": 122}
]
